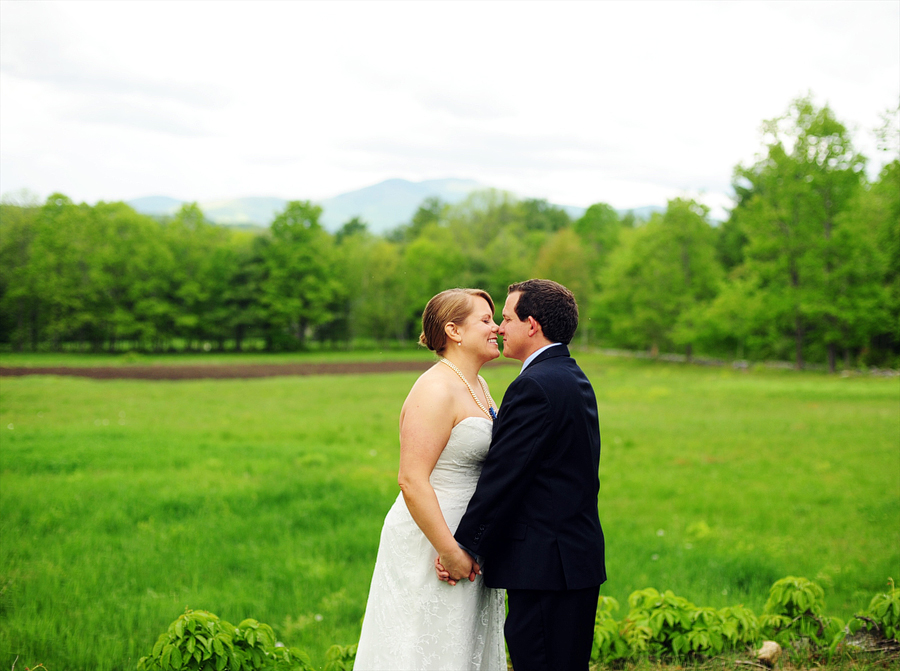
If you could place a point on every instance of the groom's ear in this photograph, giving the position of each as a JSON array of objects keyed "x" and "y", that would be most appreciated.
[{"x": 534, "y": 327}]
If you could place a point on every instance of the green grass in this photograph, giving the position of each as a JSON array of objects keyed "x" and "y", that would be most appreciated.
[
  {"x": 123, "y": 502},
  {"x": 37, "y": 359}
]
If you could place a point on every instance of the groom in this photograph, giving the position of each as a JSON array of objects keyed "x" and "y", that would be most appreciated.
[{"x": 533, "y": 518}]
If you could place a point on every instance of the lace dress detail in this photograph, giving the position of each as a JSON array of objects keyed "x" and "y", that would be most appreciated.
[{"x": 413, "y": 621}]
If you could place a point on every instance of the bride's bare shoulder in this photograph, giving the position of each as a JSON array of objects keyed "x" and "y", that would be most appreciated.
[
  {"x": 433, "y": 383},
  {"x": 430, "y": 393}
]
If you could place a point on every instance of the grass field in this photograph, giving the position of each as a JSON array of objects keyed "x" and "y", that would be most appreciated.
[
  {"x": 123, "y": 502},
  {"x": 204, "y": 358}
]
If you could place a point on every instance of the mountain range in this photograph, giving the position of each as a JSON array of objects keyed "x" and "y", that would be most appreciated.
[{"x": 382, "y": 206}]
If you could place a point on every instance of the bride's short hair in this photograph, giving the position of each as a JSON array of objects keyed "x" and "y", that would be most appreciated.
[{"x": 452, "y": 305}]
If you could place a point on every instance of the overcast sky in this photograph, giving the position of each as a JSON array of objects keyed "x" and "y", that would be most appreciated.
[{"x": 625, "y": 103}]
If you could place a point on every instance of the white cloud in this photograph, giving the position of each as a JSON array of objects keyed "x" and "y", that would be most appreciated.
[{"x": 628, "y": 103}]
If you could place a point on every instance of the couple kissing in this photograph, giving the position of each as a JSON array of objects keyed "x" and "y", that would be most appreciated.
[{"x": 492, "y": 499}]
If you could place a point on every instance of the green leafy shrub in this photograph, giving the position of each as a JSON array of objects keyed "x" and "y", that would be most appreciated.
[
  {"x": 795, "y": 597},
  {"x": 668, "y": 618},
  {"x": 794, "y": 614},
  {"x": 609, "y": 644},
  {"x": 740, "y": 626},
  {"x": 200, "y": 641},
  {"x": 665, "y": 625},
  {"x": 883, "y": 614},
  {"x": 340, "y": 658},
  {"x": 705, "y": 634}
]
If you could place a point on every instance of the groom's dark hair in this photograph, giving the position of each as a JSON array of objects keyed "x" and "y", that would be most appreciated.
[{"x": 552, "y": 306}]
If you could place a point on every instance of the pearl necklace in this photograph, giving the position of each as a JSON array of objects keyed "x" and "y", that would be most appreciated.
[{"x": 489, "y": 411}]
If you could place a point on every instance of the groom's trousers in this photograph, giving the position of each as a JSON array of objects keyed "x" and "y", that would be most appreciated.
[{"x": 551, "y": 630}]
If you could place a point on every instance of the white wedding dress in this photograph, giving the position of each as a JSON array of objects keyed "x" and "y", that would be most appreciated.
[{"x": 413, "y": 621}]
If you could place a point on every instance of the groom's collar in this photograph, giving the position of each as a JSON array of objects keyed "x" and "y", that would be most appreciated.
[{"x": 535, "y": 354}]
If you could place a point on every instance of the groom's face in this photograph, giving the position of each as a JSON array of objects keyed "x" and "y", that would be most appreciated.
[{"x": 513, "y": 330}]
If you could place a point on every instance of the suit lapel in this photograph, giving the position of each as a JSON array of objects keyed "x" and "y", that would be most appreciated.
[{"x": 549, "y": 353}]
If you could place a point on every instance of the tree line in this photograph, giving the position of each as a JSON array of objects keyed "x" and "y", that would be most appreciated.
[{"x": 806, "y": 266}]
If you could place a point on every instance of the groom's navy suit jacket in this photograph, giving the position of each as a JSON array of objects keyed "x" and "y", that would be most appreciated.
[{"x": 533, "y": 518}]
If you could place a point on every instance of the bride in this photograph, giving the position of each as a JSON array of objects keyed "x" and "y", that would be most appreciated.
[{"x": 413, "y": 621}]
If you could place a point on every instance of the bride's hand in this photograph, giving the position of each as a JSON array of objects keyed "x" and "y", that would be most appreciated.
[
  {"x": 456, "y": 565},
  {"x": 442, "y": 573}
]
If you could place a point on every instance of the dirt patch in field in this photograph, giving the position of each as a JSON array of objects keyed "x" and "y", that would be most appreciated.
[{"x": 215, "y": 371}]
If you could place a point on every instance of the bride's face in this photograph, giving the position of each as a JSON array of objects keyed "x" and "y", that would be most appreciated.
[{"x": 479, "y": 332}]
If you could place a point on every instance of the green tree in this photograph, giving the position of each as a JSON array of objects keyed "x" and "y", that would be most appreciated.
[
  {"x": 887, "y": 193},
  {"x": 600, "y": 228},
  {"x": 300, "y": 287},
  {"x": 507, "y": 258},
  {"x": 788, "y": 208},
  {"x": 730, "y": 242},
  {"x": 871, "y": 277},
  {"x": 352, "y": 227},
  {"x": 731, "y": 322},
  {"x": 482, "y": 226},
  {"x": 57, "y": 271},
  {"x": 885, "y": 200},
  {"x": 481, "y": 217},
  {"x": 431, "y": 263},
  {"x": 629, "y": 220},
  {"x": 430, "y": 213},
  {"x": 658, "y": 276},
  {"x": 539, "y": 215},
  {"x": 245, "y": 312},
  {"x": 378, "y": 309},
  {"x": 199, "y": 276},
  {"x": 632, "y": 312},
  {"x": 352, "y": 242},
  {"x": 18, "y": 299},
  {"x": 234, "y": 306},
  {"x": 128, "y": 269},
  {"x": 689, "y": 235},
  {"x": 566, "y": 259}
]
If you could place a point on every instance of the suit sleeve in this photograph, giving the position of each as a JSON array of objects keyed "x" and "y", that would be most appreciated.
[{"x": 521, "y": 435}]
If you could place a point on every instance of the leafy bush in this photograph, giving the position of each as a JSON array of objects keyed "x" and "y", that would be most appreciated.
[
  {"x": 662, "y": 625},
  {"x": 795, "y": 597},
  {"x": 883, "y": 615},
  {"x": 658, "y": 625},
  {"x": 705, "y": 634},
  {"x": 200, "y": 641},
  {"x": 340, "y": 658},
  {"x": 795, "y": 614},
  {"x": 608, "y": 642},
  {"x": 740, "y": 626},
  {"x": 667, "y": 617},
  {"x": 665, "y": 625}
]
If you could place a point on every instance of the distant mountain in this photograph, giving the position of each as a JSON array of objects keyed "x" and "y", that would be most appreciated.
[
  {"x": 241, "y": 212},
  {"x": 156, "y": 205},
  {"x": 258, "y": 210},
  {"x": 382, "y": 206},
  {"x": 388, "y": 204}
]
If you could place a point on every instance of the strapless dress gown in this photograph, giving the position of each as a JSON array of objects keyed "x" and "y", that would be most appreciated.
[{"x": 413, "y": 621}]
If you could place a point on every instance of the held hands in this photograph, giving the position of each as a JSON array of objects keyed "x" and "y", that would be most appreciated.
[{"x": 455, "y": 566}]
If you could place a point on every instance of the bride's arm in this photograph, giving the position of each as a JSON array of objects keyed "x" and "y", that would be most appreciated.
[{"x": 425, "y": 425}]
